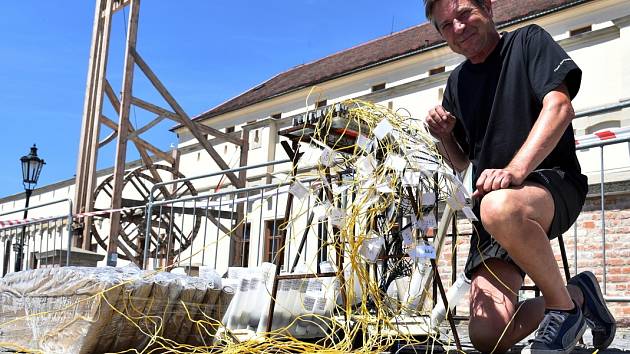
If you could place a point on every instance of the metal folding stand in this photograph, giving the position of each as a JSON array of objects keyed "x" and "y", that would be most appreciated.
[
  {"x": 294, "y": 154},
  {"x": 436, "y": 275}
]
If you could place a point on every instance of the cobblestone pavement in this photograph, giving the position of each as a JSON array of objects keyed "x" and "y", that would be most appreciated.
[{"x": 621, "y": 344}]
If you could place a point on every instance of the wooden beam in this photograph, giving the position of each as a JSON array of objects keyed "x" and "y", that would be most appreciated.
[
  {"x": 139, "y": 141},
  {"x": 223, "y": 136},
  {"x": 154, "y": 108},
  {"x": 185, "y": 120},
  {"x": 85, "y": 180},
  {"x": 108, "y": 139},
  {"x": 111, "y": 95},
  {"x": 141, "y": 145},
  {"x": 236, "y": 241},
  {"x": 146, "y": 127},
  {"x": 173, "y": 116},
  {"x": 119, "y": 5},
  {"x": 123, "y": 130},
  {"x": 87, "y": 125}
]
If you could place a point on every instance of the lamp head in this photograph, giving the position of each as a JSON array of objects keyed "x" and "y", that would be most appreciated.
[{"x": 31, "y": 168}]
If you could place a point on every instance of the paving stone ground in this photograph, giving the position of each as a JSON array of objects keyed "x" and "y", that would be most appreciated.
[{"x": 621, "y": 344}]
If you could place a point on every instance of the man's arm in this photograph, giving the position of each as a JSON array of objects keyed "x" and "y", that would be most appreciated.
[
  {"x": 554, "y": 118},
  {"x": 441, "y": 124}
]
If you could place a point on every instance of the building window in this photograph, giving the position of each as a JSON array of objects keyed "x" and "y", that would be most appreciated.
[
  {"x": 276, "y": 116},
  {"x": 255, "y": 140},
  {"x": 229, "y": 129},
  {"x": 577, "y": 31},
  {"x": 273, "y": 243},
  {"x": 321, "y": 104},
  {"x": 244, "y": 245},
  {"x": 378, "y": 87},
  {"x": 434, "y": 71}
]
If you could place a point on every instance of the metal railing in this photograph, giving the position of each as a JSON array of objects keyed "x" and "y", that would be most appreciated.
[
  {"x": 40, "y": 239},
  {"x": 210, "y": 175},
  {"x": 602, "y": 196},
  {"x": 198, "y": 231}
]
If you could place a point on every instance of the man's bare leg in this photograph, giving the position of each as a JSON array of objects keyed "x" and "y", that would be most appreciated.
[
  {"x": 519, "y": 219},
  {"x": 497, "y": 320}
]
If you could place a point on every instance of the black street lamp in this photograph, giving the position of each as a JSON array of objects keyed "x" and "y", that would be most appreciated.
[{"x": 31, "y": 168}]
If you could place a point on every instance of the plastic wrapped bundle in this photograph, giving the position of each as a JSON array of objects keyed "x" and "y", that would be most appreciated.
[{"x": 95, "y": 310}]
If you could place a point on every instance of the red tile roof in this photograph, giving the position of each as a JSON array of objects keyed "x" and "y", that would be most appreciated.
[{"x": 379, "y": 51}]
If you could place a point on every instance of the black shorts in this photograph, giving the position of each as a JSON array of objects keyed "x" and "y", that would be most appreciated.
[{"x": 568, "y": 192}]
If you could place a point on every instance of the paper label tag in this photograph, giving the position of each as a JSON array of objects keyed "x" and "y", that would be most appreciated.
[
  {"x": 319, "y": 211},
  {"x": 314, "y": 287},
  {"x": 364, "y": 143},
  {"x": 285, "y": 285},
  {"x": 428, "y": 198},
  {"x": 429, "y": 221},
  {"x": 244, "y": 285},
  {"x": 309, "y": 304},
  {"x": 411, "y": 178},
  {"x": 365, "y": 165},
  {"x": 423, "y": 252},
  {"x": 395, "y": 162},
  {"x": 337, "y": 217},
  {"x": 382, "y": 129},
  {"x": 298, "y": 190},
  {"x": 328, "y": 157},
  {"x": 320, "y": 305},
  {"x": 371, "y": 248},
  {"x": 254, "y": 283}
]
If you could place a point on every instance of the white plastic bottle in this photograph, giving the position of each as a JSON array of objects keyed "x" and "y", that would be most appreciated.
[{"x": 454, "y": 295}]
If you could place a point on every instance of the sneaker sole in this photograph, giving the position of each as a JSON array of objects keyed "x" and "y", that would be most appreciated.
[
  {"x": 608, "y": 316},
  {"x": 572, "y": 345}
]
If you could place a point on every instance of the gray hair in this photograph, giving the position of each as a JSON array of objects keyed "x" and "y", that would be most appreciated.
[{"x": 429, "y": 4}]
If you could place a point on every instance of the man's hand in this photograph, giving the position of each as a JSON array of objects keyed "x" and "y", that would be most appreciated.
[
  {"x": 494, "y": 179},
  {"x": 440, "y": 122}
]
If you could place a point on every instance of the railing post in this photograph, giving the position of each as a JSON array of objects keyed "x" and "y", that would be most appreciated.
[
  {"x": 69, "y": 230},
  {"x": 603, "y": 214},
  {"x": 147, "y": 234}
]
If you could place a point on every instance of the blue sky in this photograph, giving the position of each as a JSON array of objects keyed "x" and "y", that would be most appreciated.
[{"x": 205, "y": 52}]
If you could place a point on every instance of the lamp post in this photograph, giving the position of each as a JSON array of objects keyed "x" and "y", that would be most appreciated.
[{"x": 31, "y": 168}]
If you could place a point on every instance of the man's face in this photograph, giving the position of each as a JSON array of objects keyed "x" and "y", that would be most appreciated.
[{"x": 467, "y": 28}]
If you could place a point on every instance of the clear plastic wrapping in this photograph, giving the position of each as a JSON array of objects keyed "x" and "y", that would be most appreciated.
[{"x": 95, "y": 310}]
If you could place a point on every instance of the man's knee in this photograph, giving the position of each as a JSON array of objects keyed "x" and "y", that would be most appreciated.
[
  {"x": 486, "y": 335},
  {"x": 498, "y": 211}
]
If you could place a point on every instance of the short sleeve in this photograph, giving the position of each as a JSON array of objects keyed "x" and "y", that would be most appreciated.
[{"x": 548, "y": 65}]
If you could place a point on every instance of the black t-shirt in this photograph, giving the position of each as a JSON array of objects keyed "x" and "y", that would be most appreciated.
[{"x": 497, "y": 102}]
